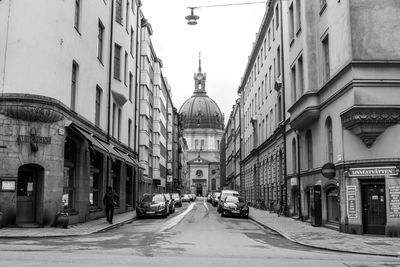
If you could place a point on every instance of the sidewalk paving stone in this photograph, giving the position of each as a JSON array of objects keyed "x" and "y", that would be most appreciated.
[{"x": 321, "y": 237}]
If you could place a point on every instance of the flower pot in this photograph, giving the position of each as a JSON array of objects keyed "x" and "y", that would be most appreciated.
[{"x": 62, "y": 219}]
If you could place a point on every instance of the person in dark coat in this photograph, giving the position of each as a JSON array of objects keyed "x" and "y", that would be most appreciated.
[{"x": 109, "y": 201}]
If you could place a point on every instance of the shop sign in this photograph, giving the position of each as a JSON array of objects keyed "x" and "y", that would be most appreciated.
[
  {"x": 362, "y": 172},
  {"x": 8, "y": 185},
  {"x": 394, "y": 201},
  {"x": 33, "y": 139},
  {"x": 351, "y": 201}
]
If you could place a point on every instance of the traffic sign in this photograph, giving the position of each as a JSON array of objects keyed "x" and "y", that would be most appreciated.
[{"x": 328, "y": 170}]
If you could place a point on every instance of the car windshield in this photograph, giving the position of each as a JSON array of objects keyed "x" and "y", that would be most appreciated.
[
  {"x": 153, "y": 198},
  {"x": 234, "y": 199},
  {"x": 224, "y": 194}
]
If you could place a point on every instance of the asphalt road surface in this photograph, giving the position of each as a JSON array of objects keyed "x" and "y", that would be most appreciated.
[{"x": 195, "y": 235}]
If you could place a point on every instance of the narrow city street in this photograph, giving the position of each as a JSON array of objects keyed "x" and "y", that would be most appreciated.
[{"x": 195, "y": 235}]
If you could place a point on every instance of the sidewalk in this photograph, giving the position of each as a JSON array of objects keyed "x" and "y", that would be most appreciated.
[
  {"x": 321, "y": 237},
  {"x": 86, "y": 228}
]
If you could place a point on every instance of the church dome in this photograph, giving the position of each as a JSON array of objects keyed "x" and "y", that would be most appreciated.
[{"x": 200, "y": 111}]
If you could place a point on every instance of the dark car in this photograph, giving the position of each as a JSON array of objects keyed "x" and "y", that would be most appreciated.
[
  {"x": 152, "y": 205},
  {"x": 178, "y": 200},
  {"x": 224, "y": 194},
  {"x": 171, "y": 203},
  {"x": 235, "y": 206},
  {"x": 215, "y": 199}
]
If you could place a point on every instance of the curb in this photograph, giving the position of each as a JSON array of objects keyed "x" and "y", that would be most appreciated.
[
  {"x": 113, "y": 226},
  {"x": 318, "y": 247}
]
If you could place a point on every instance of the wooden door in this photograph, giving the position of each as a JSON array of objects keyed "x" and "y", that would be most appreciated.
[
  {"x": 374, "y": 209},
  {"x": 26, "y": 195}
]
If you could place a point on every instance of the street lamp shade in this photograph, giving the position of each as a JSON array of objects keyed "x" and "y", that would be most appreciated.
[{"x": 192, "y": 18}]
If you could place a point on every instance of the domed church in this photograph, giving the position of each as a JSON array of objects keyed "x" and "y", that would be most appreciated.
[{"x": 203, "y": 127}]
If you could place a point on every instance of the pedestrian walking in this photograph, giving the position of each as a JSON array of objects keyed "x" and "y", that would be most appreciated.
[{"x": 110, "y": 200}]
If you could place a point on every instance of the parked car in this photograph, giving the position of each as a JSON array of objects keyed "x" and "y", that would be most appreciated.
[
  {"x": 190, "y": 197},
  {"x": 215, "y": 199},
  {"x": 152, "y": 205},
  {"x": 235, "y": 206},
  {"x": 171, "y": 203},
  {"x": 209, "y": 197},
  {"x": 221, "y": 198},
  {"x": 193, "y": 197},
  {"x": 185, "y": 198},
  {"x": 178, "y": 200}
]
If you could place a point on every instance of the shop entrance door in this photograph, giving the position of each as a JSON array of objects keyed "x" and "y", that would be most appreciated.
[
  {"x": 26, "y": 194},
  {"x": 374, "y": 208}
]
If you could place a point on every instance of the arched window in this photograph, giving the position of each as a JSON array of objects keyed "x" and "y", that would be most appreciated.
[
  {"x": 294, "y": 155},
  {"x": 328, "y": 125},
  {"x": 309, "y": 149}
]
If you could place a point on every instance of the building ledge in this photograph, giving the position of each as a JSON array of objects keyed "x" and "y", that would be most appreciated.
[{"x": 369, "y": 122}]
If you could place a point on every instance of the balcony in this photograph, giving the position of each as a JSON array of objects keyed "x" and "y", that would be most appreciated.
[{"x": 304, "y": 111}]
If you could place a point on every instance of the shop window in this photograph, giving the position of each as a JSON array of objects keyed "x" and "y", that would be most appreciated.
[
  {"x": 69, "y": 174},
  {"x": 115, "y": 174},
  {"x": 95, "y": 179},
  {"x": 129, "y": 185}
]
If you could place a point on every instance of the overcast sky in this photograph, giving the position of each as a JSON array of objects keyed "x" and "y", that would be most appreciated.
[{"x": 223, "y": 35}]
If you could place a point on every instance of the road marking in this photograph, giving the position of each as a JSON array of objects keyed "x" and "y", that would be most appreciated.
[
  {"x": 205, "y": 205},
  {"x": 174, "y": 221}
]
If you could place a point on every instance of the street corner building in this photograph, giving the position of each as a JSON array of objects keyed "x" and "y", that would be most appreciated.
[
  {"x": 68, "y": 109},
  {"x": 320, "y": 113},
  {"x": 203, "y": 128}
]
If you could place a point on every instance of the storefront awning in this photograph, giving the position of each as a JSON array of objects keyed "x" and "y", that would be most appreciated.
[
  {"x": 92, "y": 140},
  {"x": 104, "y": 147}
]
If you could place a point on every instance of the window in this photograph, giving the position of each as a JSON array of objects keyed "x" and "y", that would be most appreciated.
[
  {"x": 301, "y": 75},
  {"x": 273, "y": 30},
  {"x": 261, "y": 54},
  {"x": 118, "y": 11},
  {"x": 325, "y": 54},
  {"x": 279, "y": 108},
  {"x": 196, "y": 144},
  {"x": 270, "y": 79},
  {"x": 132, "y": 41},
  {"x": 277, "y": 15},
  {"x": 74, "y": 84},
  {"x": 98, "y": 106},
  {"x": 265, "y": 48},
  {"x": 202, "y": 144},
  {"x": 309, "y": 149},
  {"x": 291, "y": 23},
  {"x": 266, "y": 86},
  {"x": 262, "y": 91},
  {"x": 322, "y": 4},
  {"x": 125, "y": 67},
  {"x": 77, "y": 14},
  {"x": 130, "y": 86},
  {"x": 328, "y": 125},
  {"x": 127, "y": 16},
  {"x": 114, "y": 114},
  {"x": 298, "y": 14},
  {"x": 266, "y": 127},
  {"x": 119, "y": 124},
  {"x": 129, "y": 132},
  {"x": 129, "y": 186},
  {"x": 269, "y": 39},
  {"x": 100, "y": 39},
  {"x": 293, "y": 79},
  {"x": 95, "y": 180},
  {"x": 278, "y": 57},
  {"x": 117, "y": 62},
  {"x": 294, "y": 156}
]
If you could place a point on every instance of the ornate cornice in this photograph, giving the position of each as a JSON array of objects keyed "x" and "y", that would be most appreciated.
[
  {"x": 370, "y": 122},
  {"x": 31, "y": 113}
]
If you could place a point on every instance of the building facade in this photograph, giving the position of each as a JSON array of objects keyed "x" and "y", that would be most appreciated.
[
  {"x": 344, "y": 110},
  {"x": 67, "y": 137},
  {"x": 203, "y": 124},
  {"x": 261, "y": 103},
  {"x": 232, "y": 145}
]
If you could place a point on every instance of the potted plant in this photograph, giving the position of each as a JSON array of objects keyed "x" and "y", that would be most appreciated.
[{"x": 62, "y": 218}]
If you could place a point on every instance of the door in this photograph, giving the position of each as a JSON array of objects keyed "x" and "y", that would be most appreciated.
[
  {"x": 374, "y": 209},
  {"x": 199, "y": 190},
  {"x": 26, "y": 194}
]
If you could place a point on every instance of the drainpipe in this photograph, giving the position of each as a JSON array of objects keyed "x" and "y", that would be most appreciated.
[
  {"x": 109, "y": 86},
  {"x": 283, "y": 126},
  {"x": 298, "y": 174}
]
